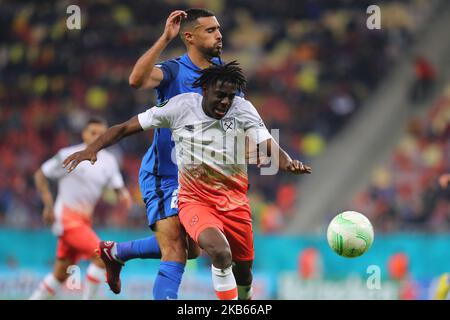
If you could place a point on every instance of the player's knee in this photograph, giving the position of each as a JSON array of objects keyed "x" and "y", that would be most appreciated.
[
  {"x": 170, "y": 226},
  {"x": 221, "y": 257},
  {"x": 214, "y": 242},
  {"x": 174, "y": 251}
]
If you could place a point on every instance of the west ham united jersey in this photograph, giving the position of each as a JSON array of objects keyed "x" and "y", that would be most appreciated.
[
  {"x": 80, "y": 190},
  {"x": 179, "y": 75},
  {"x": 210, "y": 153}
]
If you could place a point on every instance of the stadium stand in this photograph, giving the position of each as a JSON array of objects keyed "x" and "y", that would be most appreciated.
[{"x": 309, "y": 69}]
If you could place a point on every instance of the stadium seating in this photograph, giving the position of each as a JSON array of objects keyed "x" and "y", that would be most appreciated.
[
  {"x": 309, "y": 70},
  {"x": 404, "y": 194}
]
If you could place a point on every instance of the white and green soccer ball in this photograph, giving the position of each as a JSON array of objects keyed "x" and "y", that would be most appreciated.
[{"x": 350, "y": 234}]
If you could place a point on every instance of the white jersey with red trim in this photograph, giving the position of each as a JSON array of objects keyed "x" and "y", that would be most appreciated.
[
  {"x": 210, "y": 153},
  {"x": 79, "y": 191}
]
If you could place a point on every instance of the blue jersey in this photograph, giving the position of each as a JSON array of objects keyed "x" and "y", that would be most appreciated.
[{"x": 179, "y": 75}]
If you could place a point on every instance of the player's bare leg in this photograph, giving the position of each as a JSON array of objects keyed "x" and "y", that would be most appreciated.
[
  {"x": 48, "y": 288},
  {"x": 171, "y": 238},
  {"x": 60, "y": 269},
  {"x": 193, "y": 248},
  {"x": 214, "y": 242},
  {"x": 242, "y": 271}
]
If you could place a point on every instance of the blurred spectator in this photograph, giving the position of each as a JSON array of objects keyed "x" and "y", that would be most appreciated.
[
  {"x": 442, "y": 287},
  {"x": 404, "y": 193},
  {"x": 444, "y": 180},
  {"x": 398, "y": 267},
  {"x": 310, "y": 264},
  {"x": 425, "y": 77},
  {"x": 310, "y": 65}
]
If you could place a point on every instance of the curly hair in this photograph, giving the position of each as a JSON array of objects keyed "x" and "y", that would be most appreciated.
[{"x": 230, "y": 72}]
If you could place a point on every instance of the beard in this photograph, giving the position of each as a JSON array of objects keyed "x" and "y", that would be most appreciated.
[{"x": 212, "y": 52}]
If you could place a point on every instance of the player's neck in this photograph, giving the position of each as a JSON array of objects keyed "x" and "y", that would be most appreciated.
[{"x": 199, "y": 59}]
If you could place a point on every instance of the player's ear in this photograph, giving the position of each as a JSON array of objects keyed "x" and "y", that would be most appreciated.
[{"x": 187, "y": 36}]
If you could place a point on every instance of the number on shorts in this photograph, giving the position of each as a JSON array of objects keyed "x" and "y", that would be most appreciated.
[{"x": 174, "y": 202}]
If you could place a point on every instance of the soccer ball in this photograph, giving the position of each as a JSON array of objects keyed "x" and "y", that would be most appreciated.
[{"x": 350, "y": 234}]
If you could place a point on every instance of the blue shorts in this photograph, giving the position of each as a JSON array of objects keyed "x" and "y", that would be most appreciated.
[{"x": 160, "y": 195}]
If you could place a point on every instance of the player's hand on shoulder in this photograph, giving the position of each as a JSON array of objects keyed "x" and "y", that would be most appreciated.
[
  {"x": 72, "y": 161},
  {"x": 173, "y": 23},
  {"x": 297, "y": 167}
]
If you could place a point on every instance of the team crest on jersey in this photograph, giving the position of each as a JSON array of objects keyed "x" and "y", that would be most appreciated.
[
  {"x": 194, "y": 220},
  {"x": 228, "y": 124}
]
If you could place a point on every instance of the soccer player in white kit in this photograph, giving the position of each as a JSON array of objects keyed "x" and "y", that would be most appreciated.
[
  {"x": 70, "y": 215},
  {"x": 213, "y": 133}
]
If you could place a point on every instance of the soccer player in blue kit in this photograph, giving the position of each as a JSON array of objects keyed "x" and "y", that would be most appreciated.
[{"x": 200, "y": 32}]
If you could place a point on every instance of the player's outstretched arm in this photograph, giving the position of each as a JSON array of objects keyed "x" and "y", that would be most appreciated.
[
  {"x": 113, "y": 135},
  {"x": 124, "y": 197},
  {"x": 145, "y": 75},
  {"x": 285, "y": 162},
  {"x": 42, "y": 186}
]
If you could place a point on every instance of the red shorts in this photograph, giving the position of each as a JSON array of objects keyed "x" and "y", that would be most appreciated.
[
  {"x": 235, "y": 224},
  {"x": 77, "y": 243}
]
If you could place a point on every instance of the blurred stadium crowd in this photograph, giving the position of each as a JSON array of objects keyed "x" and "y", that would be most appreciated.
[
  {"x": 404, "y": 193},
  {"x": 310, "y": 66}
]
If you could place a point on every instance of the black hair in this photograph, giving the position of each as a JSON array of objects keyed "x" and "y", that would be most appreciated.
[
  {"x": 195, "y": 13},
  {"x": 230, "y": 72},
  {"x": 96, "y": 120}
]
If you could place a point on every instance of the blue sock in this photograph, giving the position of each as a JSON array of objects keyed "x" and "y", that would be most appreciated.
[
  {"x": 147, "y": 248},
  {"x": 168, "y": 280}
]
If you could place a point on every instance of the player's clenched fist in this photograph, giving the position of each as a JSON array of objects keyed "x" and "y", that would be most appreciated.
[{"x": 72, "y": 161}]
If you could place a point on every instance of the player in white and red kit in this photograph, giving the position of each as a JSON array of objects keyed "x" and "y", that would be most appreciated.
[
  {"x": 71, "y": 214},
  {"x": 213, "y": 133}
]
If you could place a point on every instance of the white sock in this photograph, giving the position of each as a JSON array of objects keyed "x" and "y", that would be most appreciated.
[
  {"x": 47, "y": 288},
  {"x": 95, "y": 276},
  {"x": 224, "y": 283},
  {"x": 245, "y": 292}
]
